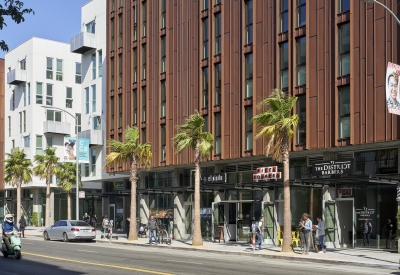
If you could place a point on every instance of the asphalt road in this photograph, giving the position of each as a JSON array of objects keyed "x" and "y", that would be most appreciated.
[{"x": 55, "y": 257}]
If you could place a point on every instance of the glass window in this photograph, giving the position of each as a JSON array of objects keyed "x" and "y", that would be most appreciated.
[
  {"x": 29, "y": 93},
  {"x": 249, "y": 75},
  {"x": 49, "y": 141},
  {"x": 344, "y": 49},
  {"x": 284, "y": 64},
  {"x": 100, "y": 59},
  {"x": 27, "y": 141},
  {"x": 9, "y": 126},
  {"x": 120, "y": 3},
  {"x": 134, "y": 107},
  {"x": 217, "y": 89},
  {"x": 13, "y": 101},
  {"x": 134, "y": 71},
  {"x": 283, "y": 16},
  {"x": 20, "y": 122},
  {"x": 112, "y": 71},
  {"x": 217, "y": 133},
  {"x": 163, "y": 53},
  {"x": 143, "y": 61},
  {"x": 144, "y": 15},
  {"x": 205, "y": 87},
  {"x": 93, "y": 161},
  {"x": 344, "y": 112},
  {"x": 112, "y": 121},
  {"x": 134, "y": 29},
  {"x": 24, "y": 94},
  {"x": 86, "y": 100},
  {"x": 120, "y": 31},
  {"x": 39, "y": 145},
  {"x": 59, "y": 74},
  {"x": 344, "y": 5},
  {"x": 119, "y": 111},
  {"x": 144, "y": 135},
  {"x": 112, "y": 34},
  {"x": 93, "y": 98},
  {"x": 163, "y": 13},
  {"x": 94, "y": 66},
  {"x": 206, "y": 125},
  {"x": 79, "y": 122},
  {"x": 97, "y": 123},
  {"x": 204, "y": 24},
  {"x": 163, "y": 143},
  {"x": 301, "y": 13},
  {"x": 22, "y": 64},
  {"x": 39, "y": 93},
  {"x": 49, "y": 68},
  {"x": 24, "y": 118},
  {"x": 216, "y": 2},
  {"x": 163, "y": 100},
  {"x": 112, "y": 5},
  {"x": 52, "y": 115},
  {"x": 68, "y": 101},
  {"x": 120, "y": 71},
  {"x": 78, "y": 73},
  {"x": 49, "y": 94},
  {"x": 249, "y": 22},
  {"x": 301, "y": 61},
  {"x": 218, "y": 33},
  {"x": 144, "y": 104},
  {"x": 90, "y": 27},
  {"x": 204, "y": 4},
  {"x": 248, "y": 128},
  {"x": 301, "y": 126}
]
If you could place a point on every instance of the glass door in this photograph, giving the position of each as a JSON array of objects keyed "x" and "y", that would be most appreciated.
[
  {"x": 244, "y": 217},
  {"x": 330, "y": 222},
  {"x": 111, "y": 213},
  {"x": 188, "y": 219},
  {"x": 218, "y": 216},
  {"x": 269, "y": 223},
  {"x": 345, "y": 222}
]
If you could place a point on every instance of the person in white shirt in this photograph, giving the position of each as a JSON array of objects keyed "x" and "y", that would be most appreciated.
[{"x": 321, "y": 234}]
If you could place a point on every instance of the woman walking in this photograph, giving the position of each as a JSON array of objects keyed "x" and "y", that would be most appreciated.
[
  {"x": 305, "y": 229},
  {"x": 22, "y": 225},
  {"x": 321, "y": 234}
]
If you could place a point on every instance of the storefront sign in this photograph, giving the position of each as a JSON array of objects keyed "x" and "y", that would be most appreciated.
[
  {"x": 334, "y": 167},
  {"x": 345, "y": 192},
  {"x": 214, "y": 178},
  {"x": 120, "y": 211},
  {"x": 365, "y": 213},
  {"x": 267, "y": 174},
  {"x": 81, "y": 194}
]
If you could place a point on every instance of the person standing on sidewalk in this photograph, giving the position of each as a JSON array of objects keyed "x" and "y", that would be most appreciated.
[
  {"x": 94, "y": 221},
  {"x": 105, "y": 224},
  {"x": 86, "y": 218},
  {"x": 321, "y": 234},
  {"x": 22, "y": 225},
  {"x": 306, "y": 227},
  {"x": 367, "y": 232},
  {"x": 128, "y": 226},
  {"x": 389, "y": 230},
  {"x": 259, "y": 232},
  {"x": 152, "y": 227}
]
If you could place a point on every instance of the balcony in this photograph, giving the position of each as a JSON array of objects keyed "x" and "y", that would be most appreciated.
[
  {"x": 83, "y": 42},
  {"x": 16, "y": 77},
  {"x": 95, "y": 136},
  {"x": 56, "y": 127}
]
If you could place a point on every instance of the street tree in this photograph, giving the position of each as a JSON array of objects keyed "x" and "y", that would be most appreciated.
[
  {"x": 45, "y": 168},
  {"x": 17, "y": 170},
  {"x": 276, "y": 124},
  {"x": 66, "y": 173},
  {"x": 139, "y": 156},
  {"x": 191, "y": 135},
  {"x": 14, "y": 9}
]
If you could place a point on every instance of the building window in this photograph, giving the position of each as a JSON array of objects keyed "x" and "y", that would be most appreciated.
[
  {"x": 27, "y": 141},
  {"x": 59, "y": 73},
  {"x": 217, "y": 81},
  {"x": 134, "y": 107},
  {"x": 90, "y": 27},
  {"x": 22, "y": 64},
  {"x": 217, "y": 2},
  {"x": 49, "y": 94},
  {"x": 344, "y": 112},
  {"x": 204, "y": 25},
  {"x": 78, "y": 122},
  {"x": 39, "y": 145},
  {"x": 163, "y": 100},
  {"x": 344, "y": 49},
  {"x": 120, "y": 31},
  {"x": 144, "y": 135},
  {"x": 94, "y": 66},
  {"x": 134, "y": 71},
  {"x": 283, "y": 16},
  {"x": 344, "y": 5},
  {"x": 9, "y": 126},
  {"x": 163, "y": 143},
  {"x": 205, "y": 126},
  {"x": 301, "y": 61},
  {"x": 52, "y": 115},
  {"x": 13, "y": 101},
  {"x": 29, "y": 93},
  {"x": 301, "y": 126},
  {"x": 78, "y": 73},
  {"x": 97, "y": 123},
  {"x": 134, "y": 29},
  {"x": 144, "y": 19},
  {"x": 112, "y": 5},
  {"x": 24, "y": 121},
  {"x": 204, "y": 5},
  {"x": 112, "y": 34},
  {"x": 249, "y": 22},
  {"x": 93, "y": 98},
  {"x": 301, "y": 13},
  {"x": 20, "y": 122},
  {"x": 120, "y": 3},
  {"x": 49, "y": 68},
  {"x": 218, "y": 33},
  {"x": 49, "y": 141},
  {"x": 284, "y": 64},
  {"x": 68, "y": 101},
  {"x": 112, "y": 69},
  {"x": 163, "y": 14},
  {"x": 112, "y": 113},
  {"x": 248, "y": 112},
  {"x": 204, "y": 77},
  {"x": 120, "y": 71},
  {"x": 93, "y": 161},
  {"x": 163, "y": 53},
  {"x": 86, "y": 100},
  {"x": 12, "y": 144},
  {"x": 143, "y": 61},
  {"x": 100, "y": 60},
  {"x": 119, "y": 111},
  {"x": 217, "y": 133},
  {"x": 24, "y": 94},
  {"x": 249, "y": 75},
  {"x": 39, "y": 93},
  {"x": 143, "y": 104}
]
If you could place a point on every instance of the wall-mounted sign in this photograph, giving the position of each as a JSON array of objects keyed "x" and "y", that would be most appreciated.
[
  {"x": 345, "y": 192},
  {"x": 267, "y": 174},
  {"x": 214, "y": 178},
  {"x": 81, "y": 194},
  {"x": 334, "y": 167},
  {"x": 365, "y": 213}
]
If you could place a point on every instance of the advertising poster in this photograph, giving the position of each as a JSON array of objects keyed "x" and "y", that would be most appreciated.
[
  {"x": 392, "y": 88},
  {"x": 83, "y": 150},
  {"x": 70, "y": 149}
]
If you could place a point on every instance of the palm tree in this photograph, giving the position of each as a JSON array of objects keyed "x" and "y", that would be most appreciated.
[
  {"x": 139, "y": 155},
  {"x": 191, "y": 135},
  {"x": 45, "y": 168},
  {"x": 276, "y": 124},
  {"x": 17, "y": 170},
  {"x": 66, "y": 173}
]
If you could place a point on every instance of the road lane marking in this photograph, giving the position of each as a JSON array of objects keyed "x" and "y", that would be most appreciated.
[{"x": 98, "y": 264}]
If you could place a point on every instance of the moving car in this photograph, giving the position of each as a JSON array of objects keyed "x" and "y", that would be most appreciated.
[{"x": 68, "y": 230}]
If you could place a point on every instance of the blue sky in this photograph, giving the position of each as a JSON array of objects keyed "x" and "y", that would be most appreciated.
[{"x": 58, "y": 20}]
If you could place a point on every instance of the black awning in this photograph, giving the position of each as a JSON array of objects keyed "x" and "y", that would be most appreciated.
[{"x": 390, "y": 179}]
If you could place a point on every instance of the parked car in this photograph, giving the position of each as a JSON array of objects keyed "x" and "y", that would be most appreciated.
[{"x": 68, "y": 230}]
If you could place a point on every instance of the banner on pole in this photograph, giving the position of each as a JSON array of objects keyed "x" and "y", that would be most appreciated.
[
  {"x": 392, "y": 88},
  {"x": 70, "y": 149}
]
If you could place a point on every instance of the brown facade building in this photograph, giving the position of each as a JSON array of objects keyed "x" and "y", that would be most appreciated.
[{"x": 168, "y": 58}]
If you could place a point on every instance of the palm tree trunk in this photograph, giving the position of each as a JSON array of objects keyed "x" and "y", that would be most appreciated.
[
  {"x": 133, "y": 236},
  {"x": 287, "y": 221},
  {"x": 19, "y": 183},
  {"x": 197, "y": 239},
  {"x": 48, "y": 218},
  {"x": 69, "y": 205}
]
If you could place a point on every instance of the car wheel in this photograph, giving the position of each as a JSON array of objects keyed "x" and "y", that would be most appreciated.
[
  {"x": 65, "y": 237},
  {"x": 46, "y": 236},
  {"x": 18, "y": 254}
]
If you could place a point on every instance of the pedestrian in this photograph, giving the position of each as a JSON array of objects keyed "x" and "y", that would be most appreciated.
[
  {"x": 367, "y": 232},
  {"x": 389, "y": 230},
  {"x": 305, "y": 229},
  {"x": 128, "y": 226},
  {"x": 259, "y": 232},
  {"x": 94, "y": 221},
  {"x": 22, "y": 225},
  {"x": 86, "y": 218},
  {"x": 105, "y": 224},
  {"x": 152, "y": 227},
  {"x": 320, "y": 228},
  {"x": 315, "y": 239}
]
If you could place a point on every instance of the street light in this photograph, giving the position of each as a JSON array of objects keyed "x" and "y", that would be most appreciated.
[
  {"x": 76, "y": 157},
  {"x": 379, "y": 3}
]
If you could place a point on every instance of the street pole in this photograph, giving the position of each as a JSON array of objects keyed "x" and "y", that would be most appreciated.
[{"x": 379, "y": 3}]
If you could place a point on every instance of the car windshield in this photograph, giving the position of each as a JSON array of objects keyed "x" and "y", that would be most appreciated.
[{"x": 79, "y": 223}]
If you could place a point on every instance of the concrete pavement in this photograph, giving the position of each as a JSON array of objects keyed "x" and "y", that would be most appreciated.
[{"x": 358, "y": 257}]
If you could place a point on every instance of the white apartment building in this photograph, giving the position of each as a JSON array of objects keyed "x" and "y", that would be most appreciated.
[{"x": 43, "y": 85}]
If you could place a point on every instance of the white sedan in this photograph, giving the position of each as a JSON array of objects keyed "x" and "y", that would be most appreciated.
[{"x": 68, "y": 230}]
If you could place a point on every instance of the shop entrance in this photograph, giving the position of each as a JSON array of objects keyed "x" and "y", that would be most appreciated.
[
  {"x": 339, "y": 223},
  {"x": 111, "y": 213},
  {"x": 269, "y": 223}
]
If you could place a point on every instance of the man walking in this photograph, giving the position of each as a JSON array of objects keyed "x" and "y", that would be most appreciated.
[
  {"x": 86, "y": 218},
  {"x": 152, "y": 227},
  {"x": 259, "y": 232},
  {"x": 367, "y": 232}
]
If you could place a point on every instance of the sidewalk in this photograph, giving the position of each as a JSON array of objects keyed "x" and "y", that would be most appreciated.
[{"x": 358, "y": 257}]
